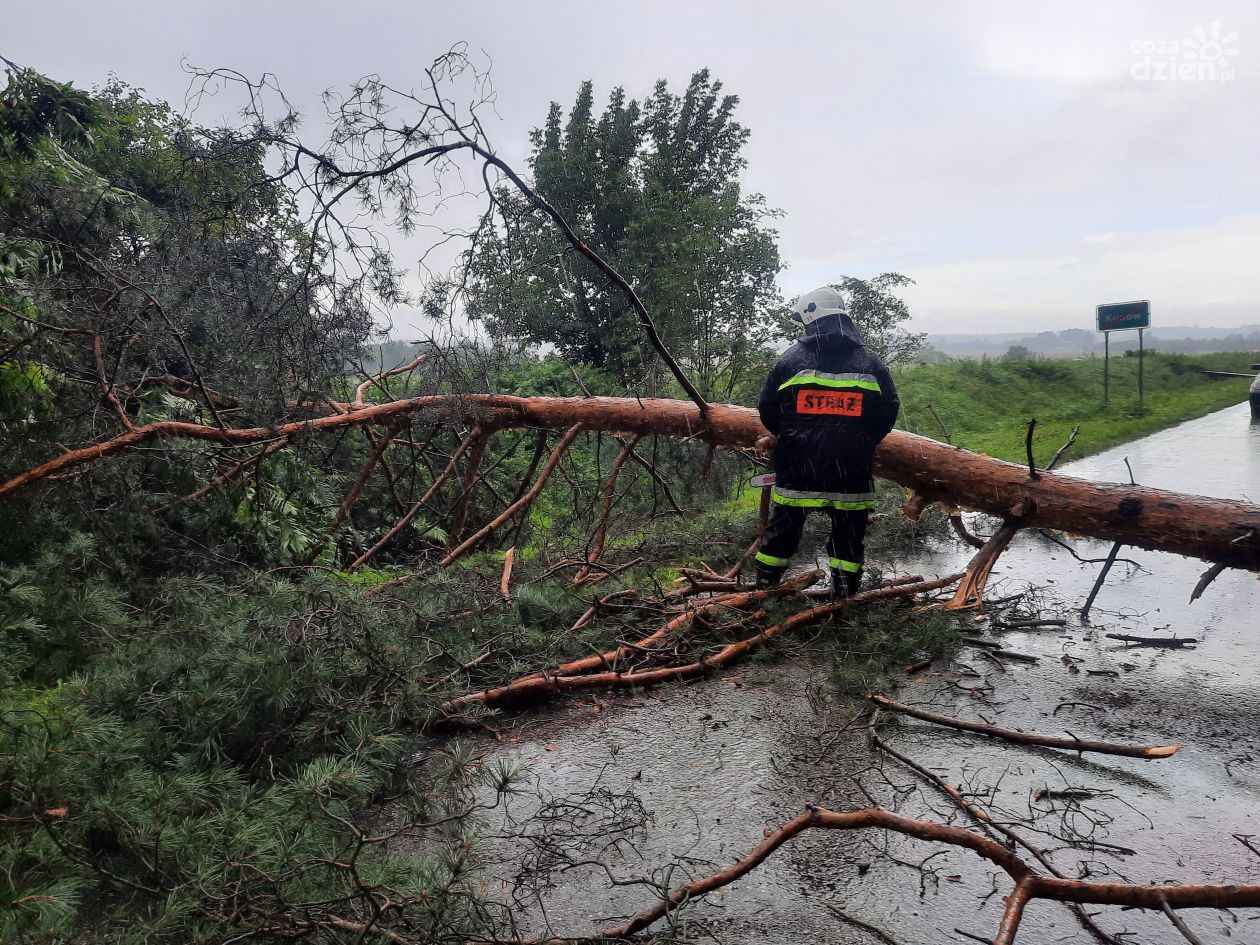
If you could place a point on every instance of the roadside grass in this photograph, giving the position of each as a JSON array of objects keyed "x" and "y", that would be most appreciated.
[{"x": 986, "y": 404}]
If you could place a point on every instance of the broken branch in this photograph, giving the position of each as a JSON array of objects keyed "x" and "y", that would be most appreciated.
[
  {"x": 522, "y": 503},
  {"x": 610, "y": 491},
  {"x": 1170, "y": 642},
  {"x": 1029, "y": 738},
  {"x": 1028, "y": 885}
]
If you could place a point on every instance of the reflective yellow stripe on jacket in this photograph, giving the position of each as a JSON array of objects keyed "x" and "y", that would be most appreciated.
[{"x": 825, "y": 379}]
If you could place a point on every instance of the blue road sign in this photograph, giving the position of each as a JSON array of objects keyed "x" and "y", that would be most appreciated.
[{"x": 1124, "y": 316}]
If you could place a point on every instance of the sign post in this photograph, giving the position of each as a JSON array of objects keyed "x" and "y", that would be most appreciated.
[
  {"x": 1141, "y": 376},
  {"x": 1106, "y": 368},
  {"x": 1124, "y": 316}
]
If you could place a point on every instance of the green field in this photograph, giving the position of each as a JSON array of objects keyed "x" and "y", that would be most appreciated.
[{"x": 985, "y": 404}]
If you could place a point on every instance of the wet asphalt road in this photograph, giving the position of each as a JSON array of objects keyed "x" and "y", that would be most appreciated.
[{"x": 708, "y": 767}]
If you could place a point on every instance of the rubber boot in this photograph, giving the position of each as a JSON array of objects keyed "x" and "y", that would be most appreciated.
[
  {"x": 844, "y": 583},
  {"x": 833, "y": 590},
  {"x": 768, "y": 576},
  {"x": 851, "y": 581}
]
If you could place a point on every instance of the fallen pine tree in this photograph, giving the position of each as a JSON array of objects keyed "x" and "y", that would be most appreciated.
[{"x": 1222, "y": 531}]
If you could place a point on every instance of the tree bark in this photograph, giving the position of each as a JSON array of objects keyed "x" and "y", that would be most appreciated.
[{"x": 1218, "y": 530}]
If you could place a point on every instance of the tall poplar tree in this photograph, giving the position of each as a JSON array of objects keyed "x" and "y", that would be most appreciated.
[{"x": 654, "y": 187}]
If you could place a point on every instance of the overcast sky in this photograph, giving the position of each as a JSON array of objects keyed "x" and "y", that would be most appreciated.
[{"x": 1021, "y": 161}]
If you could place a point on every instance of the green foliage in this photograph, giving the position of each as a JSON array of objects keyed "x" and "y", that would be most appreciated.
[
  {"x": 550, "y": 376},
  {"x": 881, "y": 315},
  {"x": 653, "y": 186},
  {"x": 211, "y": 755},
  {"x": 279, "y": 511},
  {"x": 871, "y": 646},
  {"x": 34, "y": 109},
  {"x": 175, "y": 251}
]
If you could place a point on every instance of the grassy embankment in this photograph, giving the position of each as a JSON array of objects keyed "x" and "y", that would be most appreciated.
[{"x": 985, "y": 405}]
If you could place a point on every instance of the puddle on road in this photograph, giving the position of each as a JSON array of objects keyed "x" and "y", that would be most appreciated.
[{"x": 709, "y": 766}]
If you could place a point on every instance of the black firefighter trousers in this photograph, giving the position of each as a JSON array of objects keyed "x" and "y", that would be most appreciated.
[{"x": 846, "y": 548}]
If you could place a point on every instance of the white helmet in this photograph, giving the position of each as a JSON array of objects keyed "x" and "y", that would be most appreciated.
[{"x": 819, "y": 304}]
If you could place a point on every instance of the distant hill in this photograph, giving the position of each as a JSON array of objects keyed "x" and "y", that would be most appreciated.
[{"x": 1079, "y": 342}]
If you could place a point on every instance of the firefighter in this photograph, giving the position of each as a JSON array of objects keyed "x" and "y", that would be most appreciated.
[{"x": 829, "y": 400}]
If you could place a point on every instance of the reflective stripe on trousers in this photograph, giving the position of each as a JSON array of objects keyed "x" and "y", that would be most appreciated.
[
  {"x": 845, "y": 547},
  {"x": 806, "y": 499},
  {"x": 849, "y": 567}
]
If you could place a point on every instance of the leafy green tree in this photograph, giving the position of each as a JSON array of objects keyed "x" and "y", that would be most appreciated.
[
  {"x": 653, "y": 186},
  {"x": 147, "y": 264},
  {"x": 881, "y": 315}
]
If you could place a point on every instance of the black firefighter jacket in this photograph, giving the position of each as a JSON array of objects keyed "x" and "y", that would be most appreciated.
[{"x": 830, "y": 401}]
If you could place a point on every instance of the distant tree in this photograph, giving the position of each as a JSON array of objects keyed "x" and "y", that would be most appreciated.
[
  {"x": 654, "y": 187},
  {"x": 1017, "y": 353},
  {"x": 881, "y": 316},
  {"x": 929, "y": 355}
]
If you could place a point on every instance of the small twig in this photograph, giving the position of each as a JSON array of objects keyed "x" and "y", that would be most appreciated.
[
  {"x": 1170, "y": 642},
  {"x": 1049, "y": 536},
  {"x": 577, "y": 377},
  {"x": 1027, "y": 624},
  {"x": 1029, "y": 738},
  {"x": 864, "y": 926},
  {"x": 1181, "y": 926},
  {"x": 944, "y": 429},
  {"x": 1102, "y": 576},
  {"x": 1067, "y": 794},
  {"x": 960, "y": 529},
  {"x": 1054, "y": 460},
  {"x": 1245, "y": 840},
  {"x": 1014, "y": 655},
  {"x": 1028, "y": 440},
  {"x": 1210, "y": 575},
  {"x": 974, "y": 938}
]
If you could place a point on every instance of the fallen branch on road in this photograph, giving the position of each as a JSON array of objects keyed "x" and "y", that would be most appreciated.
[
  {"x": 1169, "y": 642},
  {"x": 1029, "y": 885},
  {"x": 1029, "y": 738},
  {"x": 982, "y": 817},
  {"x": 602, "y": 671}
]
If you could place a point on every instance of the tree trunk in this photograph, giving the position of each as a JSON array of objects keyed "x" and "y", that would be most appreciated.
[
  {"x": 1218, "y": 530},
  {"x": 1212, "y": 529}
]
